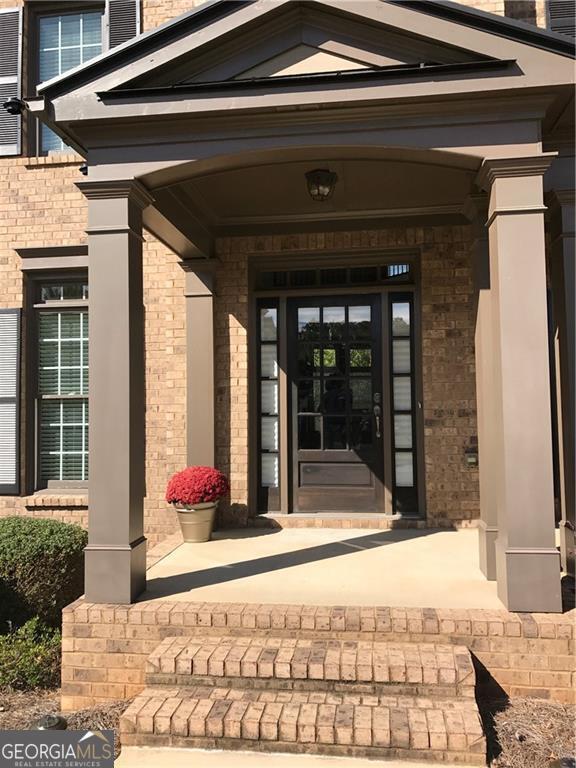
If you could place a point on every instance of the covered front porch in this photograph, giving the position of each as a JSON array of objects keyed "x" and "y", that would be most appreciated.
[
  {"x": 442, "y": 171},
  {"x": 327, "y": 566}
]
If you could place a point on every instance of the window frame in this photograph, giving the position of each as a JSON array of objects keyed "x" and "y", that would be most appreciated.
[
  {"x": 34, "y": 11},
  {"x": 33, "y": 398}
]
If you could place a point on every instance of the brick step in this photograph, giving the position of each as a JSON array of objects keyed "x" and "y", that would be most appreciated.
[
  {"x": 318, "y": 665},
  {"x": 336, "y": 520},
  {"x": 377, "y": 726}
]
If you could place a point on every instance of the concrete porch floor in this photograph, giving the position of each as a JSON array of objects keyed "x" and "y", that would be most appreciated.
[{"x": 307, "y": 566}]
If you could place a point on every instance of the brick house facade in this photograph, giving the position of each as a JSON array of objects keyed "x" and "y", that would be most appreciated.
[{"x": 44, "y": 209}]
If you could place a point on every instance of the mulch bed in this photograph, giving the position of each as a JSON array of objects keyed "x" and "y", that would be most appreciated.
[
  {"x": 20, "y": 710},
  {"x": 532, "y": 732}
]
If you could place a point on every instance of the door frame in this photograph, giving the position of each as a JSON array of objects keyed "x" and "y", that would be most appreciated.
[{"x": 259, "y": 263}]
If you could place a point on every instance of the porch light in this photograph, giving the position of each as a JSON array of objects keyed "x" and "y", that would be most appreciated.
[{"x": 321, "y": 183}]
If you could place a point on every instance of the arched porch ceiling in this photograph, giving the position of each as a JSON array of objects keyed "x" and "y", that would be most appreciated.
[{"x": 270, "y": 194}]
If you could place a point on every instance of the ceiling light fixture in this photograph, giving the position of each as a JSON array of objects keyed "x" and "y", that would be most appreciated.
[{"x": 321, "y": 183}]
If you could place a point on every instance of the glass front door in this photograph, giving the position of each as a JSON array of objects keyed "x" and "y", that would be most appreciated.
[{"x": 335, "y": 383}]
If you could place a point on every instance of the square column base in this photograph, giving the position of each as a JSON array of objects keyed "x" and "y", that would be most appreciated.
[
  {"x": 115, "y": 574},
  {"x": 529, "y": 579},
  {"x": 487, "y": 536}
]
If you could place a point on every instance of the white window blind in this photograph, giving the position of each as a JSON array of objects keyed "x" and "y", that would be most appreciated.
[{"x": 9, "y": 400}]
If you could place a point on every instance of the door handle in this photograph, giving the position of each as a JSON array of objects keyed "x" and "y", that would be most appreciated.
[{"x": 377, "y": 414}]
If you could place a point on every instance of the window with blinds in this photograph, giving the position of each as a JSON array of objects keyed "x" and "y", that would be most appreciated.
[
  {"x": 62, "y": 383},
  {"x": 9, "y": 401},
  {"x": 65, "y": 41}
]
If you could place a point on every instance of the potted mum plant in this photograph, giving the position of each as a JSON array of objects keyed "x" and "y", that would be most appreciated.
[{"x": 195, "y": 492}]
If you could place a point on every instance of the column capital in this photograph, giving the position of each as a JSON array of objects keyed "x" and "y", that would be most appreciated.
[
  {"x": 476, "y": 206},
  {"x": 116, "y": 189},
  {"x": 513, "y": 167}
]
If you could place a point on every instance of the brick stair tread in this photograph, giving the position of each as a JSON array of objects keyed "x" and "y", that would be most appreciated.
[
  {"x": 282, "y": 658},
  {"x": 323, "y": 722}
]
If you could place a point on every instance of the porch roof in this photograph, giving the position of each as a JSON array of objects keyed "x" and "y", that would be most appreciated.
[{"x": 211, "y": 11}]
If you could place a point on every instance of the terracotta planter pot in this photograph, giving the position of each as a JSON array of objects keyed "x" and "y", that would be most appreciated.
[{"x": 197, "y": 522}]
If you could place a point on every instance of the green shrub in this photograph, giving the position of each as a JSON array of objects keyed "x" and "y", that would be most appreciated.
[
  {"x": 30, "y": 657},
  {"x": 41, "y": 569}
]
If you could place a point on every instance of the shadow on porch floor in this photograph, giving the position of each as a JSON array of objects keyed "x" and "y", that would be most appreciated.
[{"x": 393, "y": 568}]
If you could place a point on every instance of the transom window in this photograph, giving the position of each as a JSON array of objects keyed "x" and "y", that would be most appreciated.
[
  {"x": 334, "y": 277},
  {"x": 65, "y": 41},
  {"x": 62, "y": 383}
]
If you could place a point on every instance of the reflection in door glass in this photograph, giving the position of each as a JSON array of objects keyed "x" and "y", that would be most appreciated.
[
  {"x": 309, "y": 396},
  {"x": 309, "y": 360},
  {"x": 309, "y": 436},
  {"x": 335, "y": 433},
  {"x": 360, "y": 432},
  {"x": 334, "y": 322},
  {"x": 308, "y": 323},
  {"x": 359, "y": 318},
  {"x": 334, "y": 360},
  {"x": 334, "y": 396},
  {"x": 360, "y": 394},
  {"x": 360, "y": 360}
]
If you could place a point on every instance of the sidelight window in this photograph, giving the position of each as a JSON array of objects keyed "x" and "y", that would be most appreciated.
[
  {"x": 269, "y": 438},
  {"x": 403, "y": 426}
]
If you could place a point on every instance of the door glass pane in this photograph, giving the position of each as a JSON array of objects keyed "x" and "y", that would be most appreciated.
[
  {"x": 269, "y": 464},
  {"x": 401, "y": 356},
  {"x": 268, "y": 360},
  {"x": 403, "y": 430},
  {"x": 309, "y": 360},
  {"x": 268, "y": 324},
  {"x": 360, "y": 360},
  {"x": 402, "y": 393},
  {"x": 269, "y": 433},
  {"x": 361, "y": 394},
  {"x": 334, "y": 323},
  {"x": 309, "y": 435},
  {"x": 404, "y": 470},
  {"x": 308, "y": 323},
  {"x": 360, "y": 431},
  {"x": 335, "y": 433},
  {"x": 400, "y": 319},
  {"x": 269, "y": 391},
  {"x": 309, "y": 396},
  {"x": 359, "y": 318},
  {"x": 334, "y": 360},
  {"x": 334, "y": 396}
]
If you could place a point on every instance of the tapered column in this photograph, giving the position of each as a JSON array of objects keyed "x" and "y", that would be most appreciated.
[
  {"x": 116, "y": 551},
  {"x": 477, "y": 211},
  {"x": 563, "y": 273},
  {"x": 200, "y": 364},
  {"x": 527, "y": 562}
]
